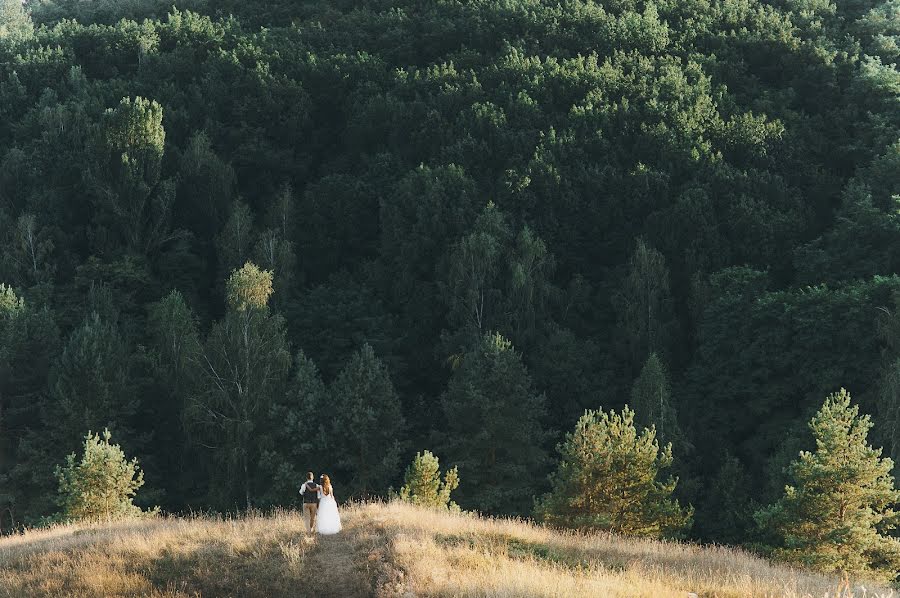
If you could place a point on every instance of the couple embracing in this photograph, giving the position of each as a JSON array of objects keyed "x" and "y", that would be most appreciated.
[{"x": 319, "y": 505}]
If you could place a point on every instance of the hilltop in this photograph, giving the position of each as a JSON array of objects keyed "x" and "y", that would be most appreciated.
[{"x": 386, "y": 550}]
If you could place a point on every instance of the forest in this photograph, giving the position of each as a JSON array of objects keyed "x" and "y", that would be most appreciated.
[{"x": 252, "y": 239}]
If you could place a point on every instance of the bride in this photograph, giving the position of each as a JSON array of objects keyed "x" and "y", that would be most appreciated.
[{"x": 329, "y": 520}]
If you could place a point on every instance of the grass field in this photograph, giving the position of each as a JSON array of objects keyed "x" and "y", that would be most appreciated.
[{"x": 387, "y": 551}]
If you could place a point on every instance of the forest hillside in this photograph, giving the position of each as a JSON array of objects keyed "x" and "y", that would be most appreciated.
[{"x": 250, "y": 239}]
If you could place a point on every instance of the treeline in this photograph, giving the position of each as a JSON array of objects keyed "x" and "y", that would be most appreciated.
[{"x": 329, "y": 235}]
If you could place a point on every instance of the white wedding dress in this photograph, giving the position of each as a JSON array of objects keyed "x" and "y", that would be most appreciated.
[{"x": 328, "y": 521}]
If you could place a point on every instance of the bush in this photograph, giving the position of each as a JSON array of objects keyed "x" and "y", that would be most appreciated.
[{"x": 422, "y": 483}]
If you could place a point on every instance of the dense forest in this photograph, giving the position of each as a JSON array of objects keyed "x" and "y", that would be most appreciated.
[{"x": 251, "y": 238}]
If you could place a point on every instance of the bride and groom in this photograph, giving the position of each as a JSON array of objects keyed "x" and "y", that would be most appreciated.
[{"x": 319, "y": 505}]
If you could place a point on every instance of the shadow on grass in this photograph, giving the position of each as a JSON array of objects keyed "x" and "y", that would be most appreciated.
[{"x": 272, "y": 569}]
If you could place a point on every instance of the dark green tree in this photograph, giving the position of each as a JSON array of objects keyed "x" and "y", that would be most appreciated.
[
  {"x": 297, "y": 437},
  {"x": 644, "y": 304},
  {"x": 494, "y": 433},
  {"x": 365, "y": 424},
  {"x": 652, "y": 402}
]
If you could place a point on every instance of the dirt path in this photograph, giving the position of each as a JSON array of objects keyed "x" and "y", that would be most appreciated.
[{"x": 333, "y": 565}]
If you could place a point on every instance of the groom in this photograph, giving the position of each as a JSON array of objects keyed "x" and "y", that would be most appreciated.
[{"x": 310, "y": 493}]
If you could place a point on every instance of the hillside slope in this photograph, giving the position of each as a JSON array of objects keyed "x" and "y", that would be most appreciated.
[{"x": 386, "y": 550}]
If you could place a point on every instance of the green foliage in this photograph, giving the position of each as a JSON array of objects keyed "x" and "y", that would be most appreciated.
[
  {"x": 608, "y": 479},
  {"x": 101, "y": 485},
  {"x": 297, "y": 438},
  {"x": 422, "y": 483},
  {"x": 10, "y": 304},
  {"x": 365, "y": 424},
  {"x": 15, "y": 22},
  {"x": 838, "y": 511},
  {"x": 644, "y": 304},
  {"x": 652, "y": 401},
  {"x": 246, "y": 363},
  {"x": 494, "y": 431},
  {"x": 249, "y": 288},
  {"x": 660, "y": 178}
]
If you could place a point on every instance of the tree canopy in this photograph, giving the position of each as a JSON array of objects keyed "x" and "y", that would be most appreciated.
[{"x": 233, "y": 232}]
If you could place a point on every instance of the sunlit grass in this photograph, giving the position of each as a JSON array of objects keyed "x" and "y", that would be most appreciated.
[
  {"x": 388, "y": 550},
  {"x": 439, "y": 554}
]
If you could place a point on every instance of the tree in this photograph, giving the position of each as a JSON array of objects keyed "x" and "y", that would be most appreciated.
[
  {"x": 246, "y": 364},
  {"x": 493, "y": 432},
  {"x": 474, "y": 287},
  {"x": 837, "y": 514},
  {"x": 422, "y": 483},
  {"x": 101, "y": 486},
  {"x": 205, "y": 188},
  {"x": 297, "y": 438},
  {"x": 176, "y": 350},
  {"x": 15, "y": 22},
  {"x": 608, "y": 479},
  {"x": 651, "y": 400},
  {"x": 644, "y": 304},
  {"x": 274, "y": 249},
  {"x": 235, "y": 241},
  {"x": 366, "y": 423},
  {"x": 497, "y": 280},
  {"x": 29, "y": 346},
  {"x": 128, "y": 174}
]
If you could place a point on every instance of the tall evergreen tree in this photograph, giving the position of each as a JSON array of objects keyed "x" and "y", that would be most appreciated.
[
  {"x": 652, "y": 404},
  {"x": 175, "y": 349},
  {"x": 838, "y": 513},
  {"x": 608, "y": 479},
  {"x": 29, "y": 345},
  {"x": 365, "y": 424},
  {"x": 494, "y": 433},
  {"x": 644, "y": 304},
  {"x": 298, "y": 433}
]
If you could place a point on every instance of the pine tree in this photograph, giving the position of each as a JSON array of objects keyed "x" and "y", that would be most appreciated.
[
  {"x": 651, "y": 401},
  {"x": 29, "y": 345},
  {"x": 175, "y": 349},
  {"x": 644, "y": 304},
  {"x": 422, "y": 483},
  {"x": 837, "y": 513},
  {"x": 296, "y": 438},
  {"x": 494, "y": 432},
  {"x": 92, "y": 387},
  {"x": 366, "y": 422},
  {"x": 608, "y": 479},
  {"x": 100, "y": 486}
]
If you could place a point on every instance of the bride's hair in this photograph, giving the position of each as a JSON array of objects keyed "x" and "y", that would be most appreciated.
[{"x": 326, "y": 485}]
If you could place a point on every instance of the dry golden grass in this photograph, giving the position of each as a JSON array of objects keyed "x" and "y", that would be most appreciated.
[
  {"x": 387, "y": 551},
  {"x": 252, "y": 556},
  {"x": 427, "y": 553}
]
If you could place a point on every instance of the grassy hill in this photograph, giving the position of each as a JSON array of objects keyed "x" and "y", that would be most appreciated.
[{"x": 389, "y": 550}]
